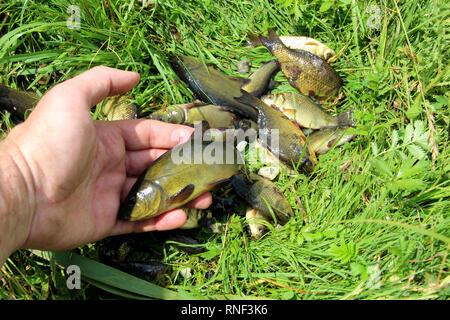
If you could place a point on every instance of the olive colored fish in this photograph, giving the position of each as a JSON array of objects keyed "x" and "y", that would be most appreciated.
[
  {"x": 260, "y": 80},
  {"x": 211, "y": 85},
  {"x": 179, "y": 176},
  {"x": 282, "y": 136},
  {"x": 323, "y": 140},
  {"x": 306, "y": 112},
  {"x": 262, "y": 194},
  {"x": 119, "y": 108},
  {"x": 305, "y": 71},
  {"x": 17, "y": 102},
  {"x": 299, "y": 43}
]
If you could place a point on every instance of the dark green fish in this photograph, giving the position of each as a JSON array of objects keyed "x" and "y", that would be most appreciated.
[
  {"x": 262, "y": 194},
  {"x": 260, "y": 80},
  {"x": 179, "y": 176},
  {"x": 211, "y": 85},
  {"x": 291, "y": 140}
]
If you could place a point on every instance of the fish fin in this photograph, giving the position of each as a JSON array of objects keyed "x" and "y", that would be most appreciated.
[
  {"x": 273, "y": 84},
  {"x": 253, "y": 40},
  {"x": 344, "y": 119},
  {"x": 246, "y": 81},
  {"x": 216, "y": 183},
  {"x": 248, "y": 99},
  {"x": 241, "y": 81},
  {"x": 182, "y": 194},
  {"x": 240, "y": 185},
  {"x": 272, "y": 41}
]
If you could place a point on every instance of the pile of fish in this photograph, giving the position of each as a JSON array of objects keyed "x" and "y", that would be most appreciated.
[{"x": 303, "y": 129}]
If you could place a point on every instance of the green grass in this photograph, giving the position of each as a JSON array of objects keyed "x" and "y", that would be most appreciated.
[{"x": 372, "y": 221}]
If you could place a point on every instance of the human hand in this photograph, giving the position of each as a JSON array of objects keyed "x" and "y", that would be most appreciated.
[{"x": 75, "y": 168}]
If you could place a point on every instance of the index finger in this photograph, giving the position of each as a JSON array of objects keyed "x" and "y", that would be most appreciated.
[
  {"x": 145, "y": 134},
  {"x": 100, "y": 82}
]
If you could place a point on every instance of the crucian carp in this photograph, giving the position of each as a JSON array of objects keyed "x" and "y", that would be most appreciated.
[{"x": 305, "y": 71}]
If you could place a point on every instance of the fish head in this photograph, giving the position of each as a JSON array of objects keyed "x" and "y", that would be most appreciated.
[
  {"x": 160, "y": 116},
  {"x": 142, "y": 202},
  {"x": 268, "y": 99}
]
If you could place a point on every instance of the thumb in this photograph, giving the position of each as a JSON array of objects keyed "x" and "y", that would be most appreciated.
[{"x": 92, "y": 86}]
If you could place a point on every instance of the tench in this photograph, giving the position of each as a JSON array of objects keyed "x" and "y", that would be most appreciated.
[
  {"x": 305, "y": 111},
  {"x": 305, "y": 71},
  {"x": 323, "y": 140},
  {"x": 211, "y": 85},
  {"x": 178, "y": 177},
  {"x": 260, "y": 80},
  {"x": 262, "y": 194},
  {"x": 291, "y": 140}
]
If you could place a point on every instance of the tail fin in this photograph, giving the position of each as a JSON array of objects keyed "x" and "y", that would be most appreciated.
[
  {"x": 253, "y": 40},
  {"x": 345, "y": 119},
  {"x": 272, "y": 41},
  {"x": 249, "y": 99}
]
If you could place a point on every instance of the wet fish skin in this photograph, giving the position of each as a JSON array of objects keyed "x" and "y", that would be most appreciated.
[
  {"x": 323, "y": 140},
  {"x": 305, "y": 71},
  {"x": 211, "y": 85},
  {"x": 119, "y": 108},
  {"x": 256, "y": 222},
  {"x": 291, "y": 139},
  {"x": 261, "y": 193},
  {"x": 305, "y": 111},
  {"x": 259, "y": 81},
  {"x": 168, "y": 184}
]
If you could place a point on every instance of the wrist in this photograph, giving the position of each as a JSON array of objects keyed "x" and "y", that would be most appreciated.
[{"x": 17, "y": 203}]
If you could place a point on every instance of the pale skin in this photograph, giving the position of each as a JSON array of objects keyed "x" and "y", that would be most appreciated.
[{"x": 63, "y": 175}]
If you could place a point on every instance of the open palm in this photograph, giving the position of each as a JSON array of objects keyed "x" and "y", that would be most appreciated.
[{"x": 77, "y": 169}]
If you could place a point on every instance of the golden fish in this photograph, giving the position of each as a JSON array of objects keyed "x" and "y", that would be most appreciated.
[
  {"x": 306, "y": 112},
  {"x": 305, "y": 71},
  {"x": 299, "y": 43}
]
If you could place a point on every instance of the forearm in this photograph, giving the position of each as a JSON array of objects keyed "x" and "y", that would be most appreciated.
[{"x": 16, "y": 199}]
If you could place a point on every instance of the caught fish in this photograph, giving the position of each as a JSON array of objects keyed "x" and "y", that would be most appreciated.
[
  {"x": 305, "y": 71},
  {"x": 191, "y": 113},
  {"x": 323, "y": 140},
  {"x": 306, "y": 112},
  {"x": 290, "y": 146},
  {"x": 299, "y": 43},
  {"x": 260, "y": 80},
  {"x": 178, "y": 177},
  {"x": 17, "y": 102},
  {"x": 119, "y": 108},
  {"x": 257, "y": 222},
  {"x": 211, "y": 85},
  {"x": 262, "y": 194}
]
